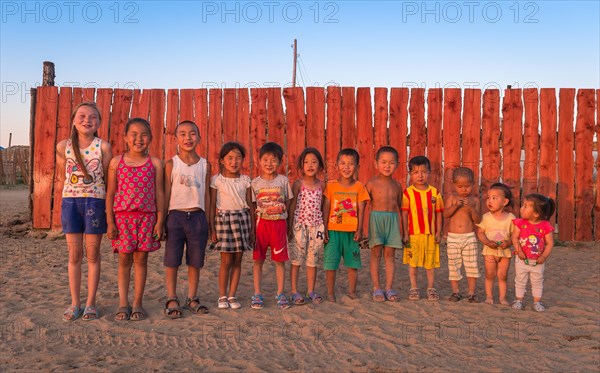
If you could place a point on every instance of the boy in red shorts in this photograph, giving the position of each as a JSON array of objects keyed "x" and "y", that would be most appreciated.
[{"x": 273, "y": 194}]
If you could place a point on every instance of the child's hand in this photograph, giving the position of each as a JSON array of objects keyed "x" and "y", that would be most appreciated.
[
  {"x": 505, "y": 244},
  {"x": 213, "y": 235},
  {"x": 521, "y": 255},
  {"x": 541, "y": 260},
  {"x": 290, "y": 233},
  {"x": 112, "y": 232},
  {"x": 157, "y": 232},
  {"x": 438, "y": 237},
  {"x": 358, "y": 235},
  {"x": 252, "y": 237},
  {"x": 325, "y": 236},
  {"x": 492, "y": 244},
  {"x": 406, "y": 241}
]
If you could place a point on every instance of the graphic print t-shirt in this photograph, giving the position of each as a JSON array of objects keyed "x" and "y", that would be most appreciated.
[
  {"x": 271, "y": 197},
  {"x": 343, "y": 211}
]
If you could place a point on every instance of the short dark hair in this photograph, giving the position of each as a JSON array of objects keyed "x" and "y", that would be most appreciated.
[
  {"x": 386, "y": 149},
  {"x": 506, "y": 190},
  {"x": 313, "y": 151},
  {"x": 419, "y": 160},
  {"x": 271, "y": 148},
  {"x": 349, "y": 152},
  {"x": 465, "y": 172},
  {"x": 229, "y": 146}
]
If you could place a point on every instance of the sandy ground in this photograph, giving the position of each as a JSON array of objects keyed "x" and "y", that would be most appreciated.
[{"x": 351, "y": 335}]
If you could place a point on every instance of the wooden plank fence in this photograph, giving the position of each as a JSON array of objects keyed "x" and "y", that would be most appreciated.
[{"x": 529, "y": 139}]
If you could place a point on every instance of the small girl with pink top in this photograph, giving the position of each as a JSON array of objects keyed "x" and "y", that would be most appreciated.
[
  {"x": 135, "y": 213},
  {"x": 533, "y": 242}
]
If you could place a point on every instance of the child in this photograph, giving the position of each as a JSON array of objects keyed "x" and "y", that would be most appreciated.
[
  {"x": 463, "y": 210},
  {"x": 533, "y": 242},
  {"x": 186, "y": 200},
  {"x": 495, "y": 232},
  {"x": 273, "y": 194},
  {"x": 343, "y": 207},
  {"x": 231, "y": 220},
  {"x": 384, "y": 224},
  {"x": 305, "y": 228},
  {"x": 135, "y": 213},
  {"x": 422, "y": 208},
  {"x": 83, "y": 157}
]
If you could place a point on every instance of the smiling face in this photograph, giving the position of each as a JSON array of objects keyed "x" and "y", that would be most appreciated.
[
  {"x": 232, "y": 162},
  {"x": 347, "y": 166},
  {"x": 86, "y": 121},
  {"x": 310, "y": 166},
  {"x": 386, "y": 164},
  {"x": 496, "y": 201},
  {"x": 463, "y": 186},
  {"x": 268, "y": 164},
  {"x": 187, "y": 137},
  {"x": 138, "y": 137}
]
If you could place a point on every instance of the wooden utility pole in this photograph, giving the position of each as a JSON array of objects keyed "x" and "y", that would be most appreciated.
[
  {"x": 48, "y": 78},
  {"x": 294, "y": 70},
  {"x": 10, "y": 140}
]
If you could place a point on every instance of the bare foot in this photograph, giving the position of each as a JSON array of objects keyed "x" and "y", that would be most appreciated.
[
  {"x": 352, "y": 296},
  {"x": 489, "y": 301},
  {"x": 504, "y": 302}
]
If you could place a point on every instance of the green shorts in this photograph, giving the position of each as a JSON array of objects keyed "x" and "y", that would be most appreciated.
[
  {"x": 341, "y": 245},
  {"x": 384, "y": 229}
]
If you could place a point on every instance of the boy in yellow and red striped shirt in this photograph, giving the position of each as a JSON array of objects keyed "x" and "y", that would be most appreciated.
[{"x": 422, "y": 207}]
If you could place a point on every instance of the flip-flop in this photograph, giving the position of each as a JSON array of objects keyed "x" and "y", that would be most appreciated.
[
  {"x": 124, "y": 310},
  {"x": 314, "y": 297},
  {"x": 378, "y": 296},
  {"x": 391, "y": 295},
  {"x": 298, "y": 299},
  {"x": 72, "y": 313},
  {"x": 138, "y": 311},
  {"x": 91, "y": 312}
]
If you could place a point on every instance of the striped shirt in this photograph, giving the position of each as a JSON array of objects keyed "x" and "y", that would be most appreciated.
[{"x": 422, "y": 206}]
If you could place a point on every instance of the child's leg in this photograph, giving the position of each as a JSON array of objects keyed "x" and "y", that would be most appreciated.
[
  {"x": 330, "y": 285},
  {"x": 375, "y": 261},
  {"x": 311, "y": 278},
  {"x": 257, "y": 275},
  {"x": 352, "y": 279},
  {"x": 455, "y": 261},
  {"x": 389, "y": 254},
  {"x": 412, "y": 274},
  {"x": 491, "y": 269},
  {"x": 235, "y": 273},
  {"x": 430, "y": 277},
  {"x": 294, "y": 272},
  {"x": 502, "y": 274},
  {"x": 124, "y": 277},
  {"x": 92, "y": 246},
  {"x": 171, "y": 282},
  {"x": 521, "y": 278},
  {"x": 537, "y": 282},
  {"x": 224, "y": 272},
  {"x": 280, "y": 275},
  {"x": 471, "y": 283},
  {"x": 140, "y": 262},
  {"x": 75, "y": 247},
  {"x": 193, "y": 277}
]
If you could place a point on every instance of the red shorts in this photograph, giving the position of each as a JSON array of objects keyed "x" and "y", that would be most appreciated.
[{"x": 273, "y": 234}]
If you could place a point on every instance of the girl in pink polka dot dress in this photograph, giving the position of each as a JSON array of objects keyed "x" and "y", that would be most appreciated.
[{"x": 135, "y": 213}]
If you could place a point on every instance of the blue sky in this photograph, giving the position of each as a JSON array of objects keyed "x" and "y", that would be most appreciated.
[{"x": 192, "y": 44}]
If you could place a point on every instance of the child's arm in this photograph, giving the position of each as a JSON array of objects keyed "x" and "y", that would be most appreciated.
[
  {"x": 292, "y": 209},
  {"x": 61, "y": 161},
  {"x": 212, "y": 214},
  {"x": 399, "y": 207},
  {"x": 207, "y": 199},
  {"x": 111, "y": 187},
  {"x": 361, "y": 211},
  {"x": 517, "y": 244},
  {"x": 483, "y": 238},
  {"x": 326, "y": 208},
  {"x": 475, "y": 208},
  {"x": 438, "y": 226},
  {"x": 160, "y": 198},
  {"x": 168, "y": 186},
  {"x": 106, "y": 157},
  {"x": 252, "y": 214},
  {"x": 405, "y": 235},
  {"x": 549, "y": 238},
  {"x": 451, "y": 206}
]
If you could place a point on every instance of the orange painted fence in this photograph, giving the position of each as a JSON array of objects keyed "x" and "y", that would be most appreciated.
[{"x": 534, "y": 141}]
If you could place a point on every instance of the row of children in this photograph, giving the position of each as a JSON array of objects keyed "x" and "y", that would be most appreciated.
[{"x": 238, "y": 214}]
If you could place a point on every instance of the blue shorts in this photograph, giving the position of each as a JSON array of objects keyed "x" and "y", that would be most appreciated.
[
  {"x": 187, "y": 228},
  {"x": 83, "y": 215}
]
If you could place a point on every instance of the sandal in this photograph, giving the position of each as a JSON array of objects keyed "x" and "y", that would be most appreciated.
[
  {"x": 314, "y": 297},
  {"x": 392, "y": 296},
  {"x": 222, "y": 303},
  {"x": 472, "y": 298},
  {"x": 138, "y": 314},
  {"x": 298, "y": 299},
  {"x": 455, "y": 297},
  {"x": 123, "y": 311},
  {"x": 173, "y": 312},
  {"x": 233, "y": 303},
  {"x": 539, "y": 307},
  {"x": 90, "y": 313},
  {"x": 432, "y": 294},
  {"x": 378, "y": 296},
  {"x": 517, "y": 305},
  {"x": 72, "y": 313},
  {"x": 413, "y": 294},
  {"x": 258, "y": 302},
  {"x": 195, "y": 309},
  {"x": 282, "y": 302}
]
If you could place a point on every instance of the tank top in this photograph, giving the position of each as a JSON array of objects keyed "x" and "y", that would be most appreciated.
[
  {"x": 135, "y": 188},
  {"x": 188, "y": 185},
  {"x": 76, "y": 185},
  {"x": 308, "y": 208}
]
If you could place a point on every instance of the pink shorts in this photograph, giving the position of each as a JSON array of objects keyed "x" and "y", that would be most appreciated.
[
  {"x": 135, "y": 232},
  {"x": 273, "y": 234}
]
